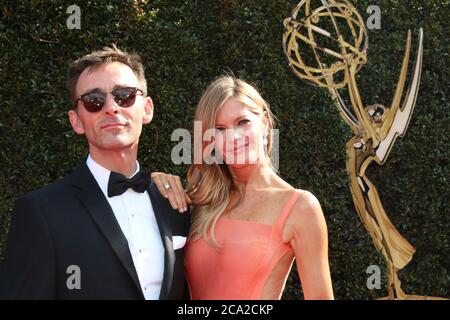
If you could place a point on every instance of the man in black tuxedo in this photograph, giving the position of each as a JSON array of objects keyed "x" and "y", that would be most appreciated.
[{"x": 104, "y": 231}]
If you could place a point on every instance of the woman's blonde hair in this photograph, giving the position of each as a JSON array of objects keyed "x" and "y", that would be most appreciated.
[{"x": 210, "y": 186}]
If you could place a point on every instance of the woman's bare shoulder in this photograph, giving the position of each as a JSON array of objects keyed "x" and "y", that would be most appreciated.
[{"x": 306, "y": 217}]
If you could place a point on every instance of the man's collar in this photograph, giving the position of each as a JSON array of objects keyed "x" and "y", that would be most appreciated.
[{"x": 101, "y": 174}]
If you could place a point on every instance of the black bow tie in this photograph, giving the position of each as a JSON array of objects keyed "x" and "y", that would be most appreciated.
[{"x": 118, "y": 183}]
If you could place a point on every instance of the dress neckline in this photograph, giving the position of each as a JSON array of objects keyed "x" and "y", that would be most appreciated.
[
  {"x": 248, "y": 221},
  {"x": 262, "y": 223}
]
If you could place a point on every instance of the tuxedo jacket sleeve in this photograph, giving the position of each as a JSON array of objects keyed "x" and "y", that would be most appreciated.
[{"x": 29, "y": 268}]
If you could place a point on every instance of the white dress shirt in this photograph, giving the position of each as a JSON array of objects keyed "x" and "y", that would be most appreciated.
[{"x": 135, "y": 215}]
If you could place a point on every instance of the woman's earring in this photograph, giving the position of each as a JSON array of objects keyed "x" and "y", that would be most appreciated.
[{"x": 265, "y": 143}]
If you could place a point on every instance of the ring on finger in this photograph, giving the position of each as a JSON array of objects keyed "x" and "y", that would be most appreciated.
[{"x": 166, "y": 185}]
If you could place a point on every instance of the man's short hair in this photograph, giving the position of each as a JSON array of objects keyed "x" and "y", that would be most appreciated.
[{"x": 101, "y": 57}]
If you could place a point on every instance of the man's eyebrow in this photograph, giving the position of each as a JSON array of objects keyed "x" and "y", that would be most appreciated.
[
  {"x": 121, "y": 86},
  {"x": 117, "y": 86},
  {"x": 92, "y": 90}
]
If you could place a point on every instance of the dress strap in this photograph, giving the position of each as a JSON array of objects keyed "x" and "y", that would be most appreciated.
[{"x": 287, "y": 209}]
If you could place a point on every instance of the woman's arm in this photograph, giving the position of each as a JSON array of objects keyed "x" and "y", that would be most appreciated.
[
  {"x": 175, "y": 193},
  {"x": 306, "y": 230}
]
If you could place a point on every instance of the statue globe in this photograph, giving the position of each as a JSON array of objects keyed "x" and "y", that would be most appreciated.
[{"x": 335, "y": 33}]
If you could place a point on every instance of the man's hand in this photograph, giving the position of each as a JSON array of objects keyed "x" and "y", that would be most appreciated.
[{"x": 171, "y": 188}]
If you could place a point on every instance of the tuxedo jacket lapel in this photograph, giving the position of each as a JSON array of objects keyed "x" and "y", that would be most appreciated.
[
  {"x": 96, "y": 204},
  {"x": 166, "y": 237}
]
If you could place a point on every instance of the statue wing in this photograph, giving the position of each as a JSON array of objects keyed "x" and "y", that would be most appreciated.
[{"x": 398, "y": 118}]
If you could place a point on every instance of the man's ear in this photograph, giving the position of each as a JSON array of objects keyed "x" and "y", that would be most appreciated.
[
  {"x": 148, "y": 109},
  {"x": 75, "y": 121}
]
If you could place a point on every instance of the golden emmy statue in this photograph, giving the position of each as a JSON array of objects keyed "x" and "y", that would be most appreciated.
[{"x": 338, "y": 54}]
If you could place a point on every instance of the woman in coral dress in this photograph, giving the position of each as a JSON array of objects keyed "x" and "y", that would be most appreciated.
[{"x": 249, "y": 225}]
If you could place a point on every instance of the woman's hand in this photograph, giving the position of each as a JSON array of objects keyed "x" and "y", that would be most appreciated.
[{"x": 171, "y": 188}]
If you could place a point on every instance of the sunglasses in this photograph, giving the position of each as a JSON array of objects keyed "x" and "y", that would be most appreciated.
[{"x": 95, "y": 100}]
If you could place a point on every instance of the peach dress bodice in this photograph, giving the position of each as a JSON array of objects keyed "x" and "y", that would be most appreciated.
[{"x": 240, "y": 268}]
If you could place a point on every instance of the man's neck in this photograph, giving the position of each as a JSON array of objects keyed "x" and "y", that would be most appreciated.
[{"x": 122, "y": 161}]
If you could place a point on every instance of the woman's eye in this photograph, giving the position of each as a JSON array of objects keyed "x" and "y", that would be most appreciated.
[
  {"x": 243, "y": 121},
  {"x": 220, "y": 129}
]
